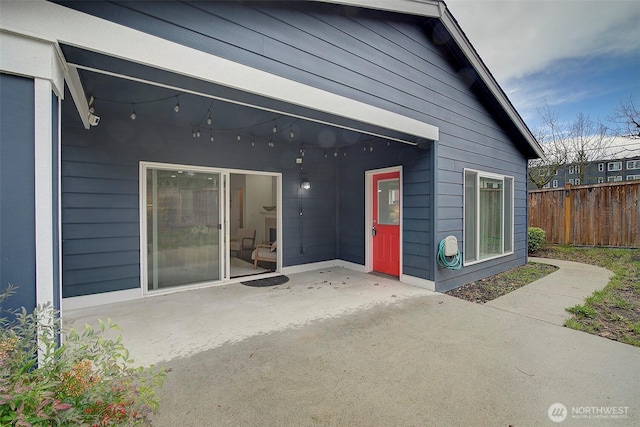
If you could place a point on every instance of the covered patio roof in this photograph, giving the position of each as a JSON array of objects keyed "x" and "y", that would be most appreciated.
[{"x": 115, "y": 88}]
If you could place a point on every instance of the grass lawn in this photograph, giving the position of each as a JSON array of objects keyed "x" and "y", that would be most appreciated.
[{"x": 613, "y": 312}]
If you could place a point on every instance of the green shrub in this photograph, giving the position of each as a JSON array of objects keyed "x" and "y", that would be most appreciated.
[
  {"x": 537, "y": 237},
  {"x": 87, "y": 380}
]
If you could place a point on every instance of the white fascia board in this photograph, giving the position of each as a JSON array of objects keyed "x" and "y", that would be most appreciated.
[
  {"x": 56, "y": 23},
  {"x": 426, "y": 8},
  {"x": 467, "y": 48},
  {"x": 31, "y": 57}
]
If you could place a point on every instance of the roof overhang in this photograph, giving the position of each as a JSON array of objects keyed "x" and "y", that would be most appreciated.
[
  {"x": 439, "y": 10},
  {"x": 63, "y": 26}
]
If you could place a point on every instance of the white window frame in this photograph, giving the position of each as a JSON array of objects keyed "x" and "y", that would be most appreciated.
[
  {"x": 570, "y": 181},
  {"x": 632, "y": 177},
  {"x": 600, "y": 167},
  {"x": 614, "y": 166},
  {"x": 503, "y": 178},
  {"x": 600, "y": 179},
  {"x": 571, "y": 170},
  {"x": 614, "y": 178},
  {"x": 633, "y": 164},
  {"x": 577, "y": 181},
  {"x": 555, "y": 183},
  {"x": 225, "y": 278}
]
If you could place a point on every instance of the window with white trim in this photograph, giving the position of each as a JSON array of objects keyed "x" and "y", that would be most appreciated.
[
  {"x": 577, "y": 181},
  {"x": 632, "y": 177},
  {"x": 555, "y": 183},
  {"x": 633, "y": 164},
  {"x": 615, "y": 178},
  {"x": 571, "y": 170},
  {"x": 600, "y": 179},
  {"x": 600, "y": 167},
  {"x": 547, "y": 185},
  {"x": 488, "y": 216},
  {"x": 570, "y": 181},
  {"x": 614, "y": 166}
]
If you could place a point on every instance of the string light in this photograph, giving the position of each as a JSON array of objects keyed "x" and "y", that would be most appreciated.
[
  {"x": 335, "y": 153},
  {"x": 193, "y": 133},
  {"x": 275, "y": 127},
  {"x": 238, "y": 137},
  {"x": 253, "y": 142},
  {"x": 198, "y": 133},
  {"x": 371, "y": 147},
  {"x": 133, "y": 112},
  {"x": 209, "y": 120},
  {"x": 177, "y": 106},
  {"x": 291, "y": 132},
  {"x": 211, "y": 137}
]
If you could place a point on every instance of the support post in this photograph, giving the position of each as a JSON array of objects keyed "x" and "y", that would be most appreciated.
[{"x": 567, "y": 214}]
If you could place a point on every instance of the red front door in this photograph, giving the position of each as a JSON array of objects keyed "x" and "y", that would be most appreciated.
[{"x": 386, "y": 223}]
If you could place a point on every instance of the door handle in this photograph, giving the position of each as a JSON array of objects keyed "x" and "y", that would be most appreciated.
[{"x": 373, "y": 231}]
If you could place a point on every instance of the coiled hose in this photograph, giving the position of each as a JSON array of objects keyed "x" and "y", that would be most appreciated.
[{"x": 453, "y": 262}]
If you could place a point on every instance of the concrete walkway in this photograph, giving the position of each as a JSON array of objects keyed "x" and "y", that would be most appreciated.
[
  {"x": 546, "y": 299},
  {"x": 339, "y": 348}
]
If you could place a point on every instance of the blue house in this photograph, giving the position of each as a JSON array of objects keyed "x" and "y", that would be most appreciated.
[{"x": 152, "y": 147}]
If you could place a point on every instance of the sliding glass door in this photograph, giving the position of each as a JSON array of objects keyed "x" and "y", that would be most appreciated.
[{"x": 183, "y": 226}]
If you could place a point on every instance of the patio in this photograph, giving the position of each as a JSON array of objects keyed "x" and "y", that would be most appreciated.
[{"x": 181, "y": 324}]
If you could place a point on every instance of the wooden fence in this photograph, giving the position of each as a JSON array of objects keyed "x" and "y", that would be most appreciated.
[{"x": 592, "y": 215}]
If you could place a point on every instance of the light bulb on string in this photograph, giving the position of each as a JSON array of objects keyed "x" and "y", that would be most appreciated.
[
  {"x": 291, "y": 132},
  {"x": 133, "y": 112},
  {"x": 238, "y": 137},
  {"x": 371, "y": 148},
  {"x": 335, "y": 153},
  {"x": 209, "y": 120},
  {"x": 193, "y": 133},
  {"x": 253, "y": 142},
  {"x": 198, "y": 133},
  {"x": 275, "y": 127},
  {"x": 176, "y": 108},
  {"x": 211, "y": 137}
]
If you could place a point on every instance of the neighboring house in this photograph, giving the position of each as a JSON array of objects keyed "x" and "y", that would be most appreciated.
[
  {"x": 138, "y": 138},
  {"x": 597, "y": 172}
]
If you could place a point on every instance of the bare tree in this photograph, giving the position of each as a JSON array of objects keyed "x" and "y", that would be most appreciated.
[
  {"x": 578, "y": 144},
  {"x": 552, "y": 139},
  {"x": 627, "y": 118},
  {"x": 587, "y": 141}
]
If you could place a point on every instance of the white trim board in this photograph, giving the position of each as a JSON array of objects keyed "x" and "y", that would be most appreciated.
[
  {"x": 59, "y": 24},
  {"x": 429, "y": 285}
]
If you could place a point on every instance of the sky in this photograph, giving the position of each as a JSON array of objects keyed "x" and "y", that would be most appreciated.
[{"x": 577, "y": 56}]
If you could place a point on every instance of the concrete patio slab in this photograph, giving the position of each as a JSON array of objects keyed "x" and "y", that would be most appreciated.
[
  {"x": 340, "y": 348},
  {"x": 180, "y": 324},
  {"x": 425, "y": 361}
]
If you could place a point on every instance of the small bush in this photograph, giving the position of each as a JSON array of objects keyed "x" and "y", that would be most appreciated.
[
  {"x": 537, "y": 237},
  {"x": 87, "y": 380}
]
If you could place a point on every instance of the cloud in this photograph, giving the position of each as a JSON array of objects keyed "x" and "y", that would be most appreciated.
[{"x": 517, "y": 38}]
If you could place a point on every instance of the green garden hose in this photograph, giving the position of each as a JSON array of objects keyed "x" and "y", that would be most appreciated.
[{"x": 452, "y": 262}]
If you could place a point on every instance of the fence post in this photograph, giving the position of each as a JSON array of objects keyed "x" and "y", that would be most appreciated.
[{"x": 567, "y": 213}]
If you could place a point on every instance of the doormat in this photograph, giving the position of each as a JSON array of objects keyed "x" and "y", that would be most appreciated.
[{"x": 269, "y": 281}]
